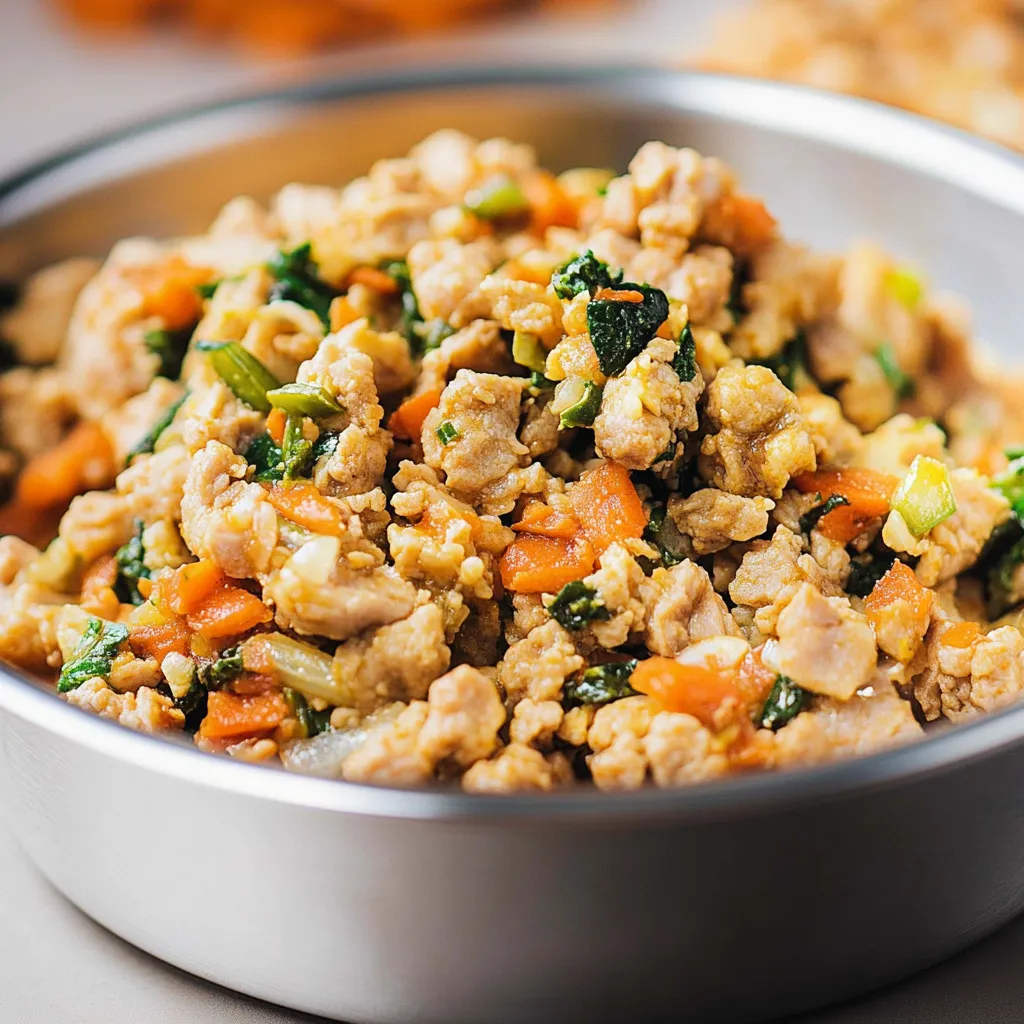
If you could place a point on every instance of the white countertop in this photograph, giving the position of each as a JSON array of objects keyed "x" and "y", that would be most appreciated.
[{"x": 56, "y": 966}]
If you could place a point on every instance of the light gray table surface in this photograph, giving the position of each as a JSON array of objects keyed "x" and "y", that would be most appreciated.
[{"x": 56, "y": 966}]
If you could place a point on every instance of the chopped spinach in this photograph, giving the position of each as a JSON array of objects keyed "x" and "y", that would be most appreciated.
[
  {"x": 601, "y": 684},
  {"x": 326, "y": 444},
  {"x": 411, "y": 320},
  {"x": 216, "y": 674},
  {"x": 1004, "y": 589},
  {"x": 661, "y": 532},
  {"x": 298, "y": 280},
  {"x": 741, "y": 274},
  {"x": 900, "y": 381},
  {"x": 311, "y": 723},
  {"x": 784, "y": 703},
  {"x": 170, "y": 347},
  {"x": 685, "y": 362},
  {"x": 810, "y": 520},
  {"x": 148, "y": 444},
  {"x": 865, "y": 572},
  {"x": 584, "y": 273},
  {"x": 790, "y": 364},
  {"x": 576, "y": 604},
  {"x": 265, "y": 456},
  {"x": 94, "y": 654},
  {"x": 131, "y": 568},
  {"x": 619, "y": 331}
]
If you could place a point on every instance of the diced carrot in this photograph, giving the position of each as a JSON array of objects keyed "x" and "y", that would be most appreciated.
[
  {"x": 407, "y": 420},
  {"x": 665, "y": 331},
  {"x": 300, "y": 502},
  {"x": 619, "y": 295},
  {"x": 376, "y": 279},
  {"x": 690, "y": 689},
  {"x": 900, "y": 584},
  {"x": 535, "y": 565},
  {"x": 754, "y": 679},
  {"x": 170, "y": 291},
  {"x": 275, "y": 425},
  {"x": 740, "y": 223},
  {"x": 183, "y": 591},
  {"x": 97, "y": 596},
  {"x": 228, "y": 612},
  {"x": 542, "y": 520},
  {"x": 258, "y": 657},
  {"x": 82, "y": 461},
  {"x": 867, "y": 491},
  {"x": 962, "y": 635},
  {"x": 342, "y": 313},
  {"x": 159, "y": 641},
  {"x": 607, "y": 506},
  {"x": 549, "y": 205},
  {"x": 230, "y": 715}
]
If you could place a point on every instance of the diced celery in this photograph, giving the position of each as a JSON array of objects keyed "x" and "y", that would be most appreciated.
[
  {"x": 528, "y": 351},
  {"x": 925, "y": 498}
]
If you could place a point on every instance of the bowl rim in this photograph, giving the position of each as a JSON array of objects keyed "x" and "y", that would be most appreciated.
[{"x": 934, "y": 149}]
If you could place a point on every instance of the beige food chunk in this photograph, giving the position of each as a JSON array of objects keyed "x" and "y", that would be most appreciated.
[
  {"x": 619, "y": 582},
  {"x": 393, "y": 368},
  {"x": 153, "y": 484},
  {"x": 29, "y": 614},
  {"x": 518, "y": 768},
  {"x": 681, "y": 606},
  {"x": 837, "y": 442},
  {"x": 824, "y": 645},
  {"x": 391, "y": 755},
  {"x": 536, "y": 722},
  {"x": 36, "y": 409},
  {"x": 145, "y": 710},
  {"x": 524, "y": 306},
  {"x": 477, "y": 346},
  {"x": 446, "y": 278},
  {"x": 96, "y": 523},
  {"x": 714, "y": 519},
  {"x": 465, "y": 714},
  {"x": 759, "y": 438},
  {"x": 701, "y": 280},
  {"x": 681, "y": 751},
  {"x": 538, "y": 665}
]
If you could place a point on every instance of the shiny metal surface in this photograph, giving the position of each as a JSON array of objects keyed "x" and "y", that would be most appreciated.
[{"x": 733, "y": 901}]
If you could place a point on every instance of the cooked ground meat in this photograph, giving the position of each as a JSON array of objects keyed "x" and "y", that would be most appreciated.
[{"x": 556, "y": 493}]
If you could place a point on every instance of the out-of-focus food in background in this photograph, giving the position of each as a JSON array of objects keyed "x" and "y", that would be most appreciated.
[
  {"x": 961, "y": 61},
  {"x": 293, "y": 26}
]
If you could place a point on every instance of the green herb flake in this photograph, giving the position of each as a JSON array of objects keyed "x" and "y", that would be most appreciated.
[
  {"x": 298, "y": 281},
  {"x": 243, "y": 373},
  {"x": 170, "y": 347},
  {"x": 216, "y": 674},
  {"x": 601, "y": 684},
  {"x": 685, "y": 362},
  {"x": 584, "y": 410},
  {"x": 736, "y": 306},
  {"x": 810, "y": 520},
  {"x": 619, "y": 331},
  {"x": 148, "y": 444},
  {"x": 306, "y": 399},
  {"x": 901, "y": 383},
  {"x": 576, "y": 604},
  {"x": 446, "y": 432},
  {"x": 496, "y": 198},
  {"x": 208, "y": 289},
  {"x": 784, "y": 703},
  {"x": 266, "y": 458},
  {"x": 131, "y": 568},
  {"x": 94, "y": 655},
  {"x": 584, "y": 273}
]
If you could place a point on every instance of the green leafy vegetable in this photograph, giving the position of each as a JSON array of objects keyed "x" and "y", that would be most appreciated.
[
  {"x": 94, "y": 654},
  {"x": 298, "y": 281},
  {"x": 925, "y": 498},
  {"x": 662, "y": 533},
  {"x": 170, "y": 347},
  {"x": 411, "y": 322},
  {"x": 131, "y": 568},
  {"x": 266, "y": 457},
  {"x": 901, "y": 383},
  {"x": 247, "y": 377},
  {"x": 584, "y": 273},
  {"x": 215, "y": 675},
  {"x": 192, "y": 704},
  {"x": 619, "y": 331},
  {"x": 446, "y": 432},
  {"x": 497, "y": 197},
  {"x": 685, "y": 362},
  {"x": 576, "y": 604},
  {"x": 325, "y": 444},
  {"x": 740, "y": 278},
  {"x": 811, "y": 519},
  {"x": 1010, "y": 483},
  {"x": 311, "y": 723},
  {"x": 790, "y": 365},
  {"x": 865, "y": 573},
  {"x": 1004, "y": 580},
  {"x": 601, "y": 684},
  {"x": 784, "y": 703},
  {"x": 540, "y": 382},
  {"x": 148, "y": 444},
  {"x": 585, "y": 406},
  {"x": 208, "y": 289},
  {"x": 305, "y": 399}
]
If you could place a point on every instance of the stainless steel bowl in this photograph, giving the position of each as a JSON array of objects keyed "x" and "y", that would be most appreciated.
[{"x": 733, "y": 901}]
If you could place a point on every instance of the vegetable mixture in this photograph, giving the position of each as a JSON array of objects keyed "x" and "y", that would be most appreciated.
[{"x": 475, "y": 474}]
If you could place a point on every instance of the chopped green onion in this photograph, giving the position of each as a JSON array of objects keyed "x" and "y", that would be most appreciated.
[
  {"x": 446, "y": 433},
  {"x": 94, "y": 655},
  {"x": 576, "y": 604},
  {"x": 499, "y": 196},
  {"x": 925, "y": 498},
  {"x": 685, "y": 362},
  {"x": 208, "y": 289},
  {"x": 784, "y": 703},
  {"x": 601, "y": 684},
  {"x": 247, "y": 377},
  {"x": 585, "y": 403},
  {"x": 148, "y": 444},
  {"x": 529, "y": 352},
  {"x": 901, "y": 382},
  {"x": 306, "y": 399},
  {"x": 295, "y": 448},
  {"x": 905, "y": 287}
]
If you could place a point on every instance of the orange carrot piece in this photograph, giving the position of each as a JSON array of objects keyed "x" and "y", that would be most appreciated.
[
  {"x": 231, "y": 716},
  {"x": 754, "y": 679},
  {"x": 867, "y": 491},
  {"x": 549, "y": 205},
  {"x": 962, "y": 635},
  {"x": 275, "y": 425},
  {"x": 619, "y": 295},
  {"x": 300, "y": 502},
  {"x": 542, "y": 520},
  {"x": 741, "y": 223},
  {"x": 97, "y": 596},
  {"x": 184, "y": 590},
  {"x": 170, "y": 291},
  {"x": 82, "y": 461},
  {"x": 900, "y": 584},
  {"x": 159, "y": 641},
  {"x": 342, "y": 313},
  {"x": 376, "y": 279},
  {"x": 607, "y": 506},
  {"x": 228, "y": 612},
  {"x": 407, "y": 420},
  {"x": 690, "y": 689},
  {"x": 535, "y": 565}
]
